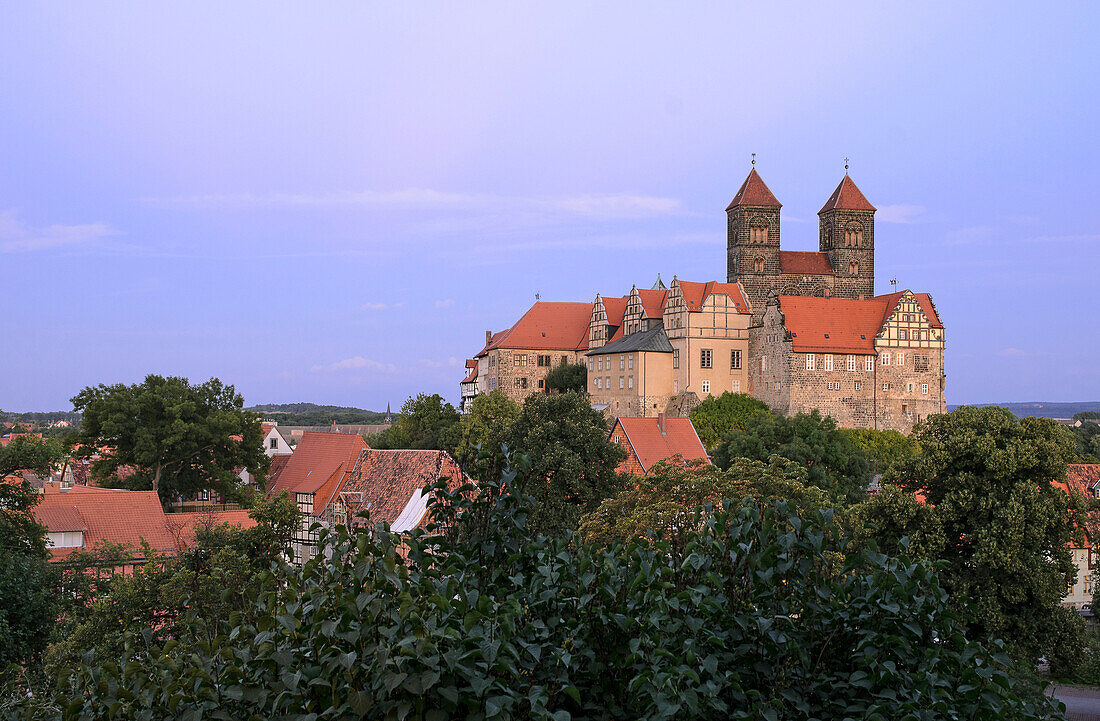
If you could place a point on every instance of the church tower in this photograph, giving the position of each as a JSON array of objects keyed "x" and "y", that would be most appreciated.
[
  {"x": 847, "y": 234},
  {"x": 752, "y": 238}
]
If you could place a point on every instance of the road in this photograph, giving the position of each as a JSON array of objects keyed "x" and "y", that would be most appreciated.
[{"x": 1082, "y": 703}]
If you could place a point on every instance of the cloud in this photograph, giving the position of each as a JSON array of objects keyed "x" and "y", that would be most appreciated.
[
  {"x": 357, "y": 362},
  {"x": 382, "y": 306},
  {"x": 899, "y": 213},
  {"x": 17, "y": 236},
  {"x": 447, "y": 303},
  {"x": 606, "y": 206}
]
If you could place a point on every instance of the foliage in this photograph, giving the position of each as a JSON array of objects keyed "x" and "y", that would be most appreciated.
[
  {"x": 177, "y": 438},
  {"x": 311, "y": 414},
  {"x": 834, "y": 462},
  {"x": 750, "y": 619},
  {"x": 993, "y": 519},
  {"x": 1086, "y": 415},
  {"x": 567, "y": 377},
  {"x": 19, "y": 531},
  {"x": 32, "y": 454},
  {"x": 574, "y": 468},
  {"x": 487, "y": 422},
  {"x": 26, "y": 607},
  {"x": 1086, "y": 438},
  {"x": 427, "y": 422},
  {"x": 663, "y": 502},
  {"x": 883, "y": 448},
  {"x": 719, "y": 415}
]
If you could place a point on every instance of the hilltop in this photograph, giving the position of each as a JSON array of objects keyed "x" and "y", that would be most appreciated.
[
  {"x": 1042, "y": 409},
  {"x": 312, "y": 414}
]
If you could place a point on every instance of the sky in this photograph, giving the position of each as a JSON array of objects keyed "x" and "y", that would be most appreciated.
[{"x": 333, "y": 202}]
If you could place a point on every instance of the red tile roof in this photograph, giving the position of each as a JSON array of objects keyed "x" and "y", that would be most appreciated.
[
  {"x": 615, "y": 308},
  {"x": 842, "y": 325},
  {"x": 278, "y": 463},
  {"x": 319, "y": 465},
  {"x": 387, "y": 484},
  {"x": 653, "y": 302},
  {"x": 184, "y": 525},
  {"x": 471, "y": 374},
  {"x": 1084, "y": 477},
  {"x": 126, "y": 517},
  {"x": 547, "y": 326},
  {"x": 846, "y": 197},
  {"x": 802, "y": 262},
  {"x": 650, "y": 445},
  {"x": 754, "y": 192},
  {"x": 696, "y": 294}
]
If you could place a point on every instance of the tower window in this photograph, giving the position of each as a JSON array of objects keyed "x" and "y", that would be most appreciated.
[
  {"x": 853, "y": 237},
  {"x": 758, "y": 235},
  {"x": 853, "y": 269},
  {"x": 758, "y": 265}
]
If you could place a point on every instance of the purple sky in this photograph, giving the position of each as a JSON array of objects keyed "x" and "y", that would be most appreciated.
[{"x": 334, "y": 205}]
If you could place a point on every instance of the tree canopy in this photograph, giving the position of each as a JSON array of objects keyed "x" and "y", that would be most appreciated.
[
  {"x": 31, "y": 453},
  {"x": 26, "y": 581},
  {"x": 718, "y": 416},
  {"x": 992, "y": 518},
  {"x": 833, "y": 460},
  {"x": 487, "y": 422},
  {"x": 883, "y": 448},
  {"x": 427, "y": 422},
  {"x": 567, "y": 377},
  {"x": 574, "y": 468},
  {"x": 175, "y": 437}
]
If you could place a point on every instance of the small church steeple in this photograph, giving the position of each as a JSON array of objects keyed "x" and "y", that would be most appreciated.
[
  {"x": 752, "y": 231},
  {"x": 847, "y": 233},
  {"x": 389, "y": 420}
]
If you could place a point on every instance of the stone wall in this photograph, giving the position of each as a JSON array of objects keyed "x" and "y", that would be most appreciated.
[{"x": 518, "y": 372}]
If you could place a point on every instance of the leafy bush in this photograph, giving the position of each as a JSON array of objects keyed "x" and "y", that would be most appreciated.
[{"x": 477, "y": 619}]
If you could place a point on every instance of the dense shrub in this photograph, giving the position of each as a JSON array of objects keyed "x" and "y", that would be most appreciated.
[{"x": 754, "y": 617}]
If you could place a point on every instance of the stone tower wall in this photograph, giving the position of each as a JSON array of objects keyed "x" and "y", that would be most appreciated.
[{"x": 832, "y": 224}]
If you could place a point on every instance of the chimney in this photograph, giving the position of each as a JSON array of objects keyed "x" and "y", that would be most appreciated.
[
  {"x": 661, "y": 423},
  {"x": 488, "y": 336},
  {"x": 862, "y": 296}
]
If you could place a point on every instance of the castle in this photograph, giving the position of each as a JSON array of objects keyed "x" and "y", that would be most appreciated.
[{"x": 800, "y": 330}]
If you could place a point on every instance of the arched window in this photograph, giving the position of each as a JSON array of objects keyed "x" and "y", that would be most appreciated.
[
  {"x": 853, "y": 236},
  {"x": 853, "y": 269},
  {"x": 758, "y": 234},
  {"x": 758, "y": 265}
]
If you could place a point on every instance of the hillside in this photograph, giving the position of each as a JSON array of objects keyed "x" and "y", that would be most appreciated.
[
  {"x": 311, "y": 414},
  {"x": 1043, "y": 409}
]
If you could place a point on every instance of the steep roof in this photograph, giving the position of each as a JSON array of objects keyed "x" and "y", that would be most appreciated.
[
  {"x": 471, "y": 372},
  {"x": 278, "y": 463},
  {"x": 653, "y": 340},
  {"x": 804, "y": 262},
  {"x": 653, "y": 302},
  {"x": 651, "y": 445},
  {"x": 126, "y": 517},
  {"x": 846, "y": 197},
  {"x": 696, "y": 294},
  {"x": 319, "y": 464},
  {"x": 615, "y": 308},
  {"x": 1084, "y": 477},
  {"x": 184, "y": 525},
  {"x": 842, "y": 325},
  {"x": 754, "y": 192},
  {"x": 388, "y": 485},
  {"x": 547, "y": 326}
]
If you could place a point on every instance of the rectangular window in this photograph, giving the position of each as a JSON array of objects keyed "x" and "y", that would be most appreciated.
[
  {"x": 869, "y": 364},
  {"x": 544, "y": 361},
  {"x": 885, "y": 359},
  {"x": 706, "y": 358},
  {"x": 542, "y": 383},
  {"x": 763, "y": 363},
  {"x": 810, "y": 361},
  {"x": 622, "y": 382},
  {"x": 599, "y": 363},
  {"x": 851, "y": 363},
  {"x": 903, "y": 334},
  {"x": 622, "y": 362},
  {"x": 924, "y": 388},
  {"x": 858, "y": 385},
  {"x": 598, "y": 383},
  {"x": 607, "y": 382},
  {"x": 885, "y": 386},
  {"x": 675, "y": 357},
  {"x": 735, "y": 360},
  {"x": 274, "y": 443},
  {"x": 706, "y": 386},
  {"x": 630, "y": 362},
  {"x": 515, "y": 360},
  {"x": 909, "y": 388},
  {"x": 630, "y": 381},
  {"x": 589, "y": 365},
  {"x": 828, "y": 362},
  {"x": 901, "y": 359},
  {"x": 736, "y": 386}
]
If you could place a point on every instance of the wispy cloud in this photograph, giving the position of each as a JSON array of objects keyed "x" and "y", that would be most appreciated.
[
  {"x": 1012, "y": 352},
  {"x": 355, "y": 363},
  {"x": 446, "y": 303},
  {"x": 899, "y": 213},
  {"x": 382, "y": 306},
  {"x": 597, "y": 206},
  {"x": 1086, "y": 237},
  {"x": 17, "y": 236}
]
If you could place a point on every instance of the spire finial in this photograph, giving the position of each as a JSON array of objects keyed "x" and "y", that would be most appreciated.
[
  {"x": 538, "y": 297},
  {"x": 754, "y": 160},
  {"x": 894, "y": 284},
  {"x": 845, "y": 166}
]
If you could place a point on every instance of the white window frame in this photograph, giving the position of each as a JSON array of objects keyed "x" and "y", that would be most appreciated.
[
  {"x": 736, "y": 386},
  {"x": 622, "y": 382},
  {"x": 828, "y": 362},
  {"x": 622, "y": 362},
  {"x": 869, "y": 364},
  {"x": 705, "y": 385},
  {"x": 735, "y": 360},
  {"x": 630, "y": 381},
  {"x": 851, "y": 363},
  {"x": 630, "y": 362},
  {"x": 885, "y": 359},
  {"x": 900, "y": 360},
  {"x": 924, "y": 388},
  {"x": 811, "y": 360}
]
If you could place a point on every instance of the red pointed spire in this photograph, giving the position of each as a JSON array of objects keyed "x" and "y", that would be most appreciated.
[
  {"x": 846, "y": 197},
  {"x": 754, "y": 192}
]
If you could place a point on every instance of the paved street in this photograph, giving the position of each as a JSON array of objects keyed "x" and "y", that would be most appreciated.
[{"x": 1082, "y": 703}]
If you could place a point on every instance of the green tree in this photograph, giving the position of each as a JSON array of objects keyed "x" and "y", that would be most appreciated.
[
  {"x": 1086, "y": 415},
  {"x": 32, "y": 454},
  {"x": 427, "y": 422},
  {"x": 567, "y": 377},
  {"x": 26, "y": 581},
  {"x": 486, "y": 424},
  {"x": 992, "y": 518},
  {"x": 177, "y": 438},
  {"x": 719, "y": 415},
  {"x": 883, "y": 448},
  {"x": 19, "y": 531},
  {"x": 573, "y": 464},
  {"x": 833, "y": 460}
]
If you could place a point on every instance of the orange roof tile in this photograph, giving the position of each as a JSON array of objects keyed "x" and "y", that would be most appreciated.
[
  {"x": 278, "y": 463},
  {"x": 184, "y": 525},
  {"x": 650, "y": 445},
  {"x": 1084, "y": 477},
  {"x": 846, "y": 197},
  {"x": 126, "y": 517},
  {"x": 387, "y": 484},
  {"x": 803, "y": 262},
  {"x": 696, "y": 294},
  {"x": 548, "y": 326},
  {"x": 615, "y": 308},
  {"x": 471, "y": 376},
  {"x": 754, "y": 192},
  {"x": 319, "y": 465},
  {"x": 653, "y": 302},
  {"x": 842, "y": 325}
]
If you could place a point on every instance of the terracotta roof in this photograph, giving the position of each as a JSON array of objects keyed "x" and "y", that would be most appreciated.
[
  {"x": 548, "y": 326},
  {"x": 471, "y": 376},
  {"x": 183, "y": 525},
  {"x": 388, "y": 483},
  {"x": 754, "y": 192},
  {"x": 1084, "y": 477},
  {"x": 696, "y": 294},
  {"x": 615, "y": 308},
  {"x": 802, "y": 262},
  {"x": 650, "y": 445},
  {"x": 126, "y": 517},
  {"x": 842, "y": 325},
  {"x": 846, "y": 197},
  {"x": 319, "y": 465},
  {"x": 278, "y": 463},
  {"x": 653, "y": 302}
]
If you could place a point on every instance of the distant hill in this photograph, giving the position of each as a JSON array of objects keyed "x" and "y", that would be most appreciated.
[
  {"x": 1043, "y": 409},
  {"x": 311, "y": 414}
]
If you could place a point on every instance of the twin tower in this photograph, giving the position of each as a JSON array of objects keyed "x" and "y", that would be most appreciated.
[{"x": 843, "y": 266}]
